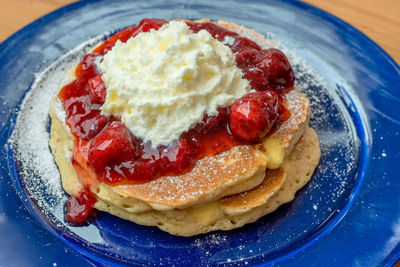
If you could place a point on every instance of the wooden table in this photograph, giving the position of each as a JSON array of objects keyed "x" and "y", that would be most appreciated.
[{"x": 380, "y": 20}]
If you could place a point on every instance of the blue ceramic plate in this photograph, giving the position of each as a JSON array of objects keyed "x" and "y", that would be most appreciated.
[{"x": 348, "y": 214}]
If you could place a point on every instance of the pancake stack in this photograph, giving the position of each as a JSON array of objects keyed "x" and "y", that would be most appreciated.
[{"x": 221, "y": 192}]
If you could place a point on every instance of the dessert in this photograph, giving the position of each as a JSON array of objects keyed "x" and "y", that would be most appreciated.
[{"x": 188, "y": 126}]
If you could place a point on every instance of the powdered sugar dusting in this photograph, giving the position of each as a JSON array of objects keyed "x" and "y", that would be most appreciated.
[
  {"x": 205, "y": 181},
  {"x": 338, "y": 141},
  {"x": 30, "y": 137}
]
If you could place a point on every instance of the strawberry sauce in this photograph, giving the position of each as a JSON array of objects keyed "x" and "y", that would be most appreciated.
[
  {"x": 78, "y": 210},
  {"x": 118, "y": 157}
]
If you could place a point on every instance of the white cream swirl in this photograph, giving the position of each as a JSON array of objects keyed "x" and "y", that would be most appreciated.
[{"x": 161, "y": 83}]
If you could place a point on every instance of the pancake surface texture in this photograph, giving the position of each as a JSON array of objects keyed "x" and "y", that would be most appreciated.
[{"x": 221, "y": 192}]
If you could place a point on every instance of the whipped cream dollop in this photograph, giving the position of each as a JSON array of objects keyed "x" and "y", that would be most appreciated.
[{"x": 162, "y": 83}]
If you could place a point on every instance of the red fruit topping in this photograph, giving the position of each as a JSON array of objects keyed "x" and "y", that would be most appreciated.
[
  {"x": 252, "y": 116},
  {"x": 87, "y": 67},
  {"x": 111, "y": 147},
  {"x": 276, "y": 69},
  {"x": 123, "y": 36},
  {"x": 80, "y": 209},
  {"x": 144, "y": 26},
  {"x": 91, "y": 125},
  {"x": 97, "y": 90},
  {"x": 177, "y": 157},
  {"x": 216, "y": 31},
  {"x": 82, "y": 116},
  {"x": 244, "y": 55},
  {"x": 211, "y": 123},
  {"x": 73, "y": 91},
  {"x": 147, "y": 24},
  {"x": 242, "y": 43},
  {"x": 142, "y": 171},
  {"x": 256, "y": 77}
]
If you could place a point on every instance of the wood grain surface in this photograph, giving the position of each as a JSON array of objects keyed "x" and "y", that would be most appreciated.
[{"x": 380, "y": 20}]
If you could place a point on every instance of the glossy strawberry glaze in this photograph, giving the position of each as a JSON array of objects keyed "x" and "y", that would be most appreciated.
[
  {"x": 79, "y": 209},
  {"x": 127, "y": 159}
]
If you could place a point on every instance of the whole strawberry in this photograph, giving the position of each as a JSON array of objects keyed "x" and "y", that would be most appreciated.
[
  {"x": 252, "y": 116},
  {"x": 276, "y": 69}
]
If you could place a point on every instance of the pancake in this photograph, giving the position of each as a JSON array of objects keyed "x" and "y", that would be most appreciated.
[
  {"x": 221, "y": 192},
  {"x": 234, "y": 171},
  {"x": 245, "y": 201},
  {"x": 217, "y": 215}
]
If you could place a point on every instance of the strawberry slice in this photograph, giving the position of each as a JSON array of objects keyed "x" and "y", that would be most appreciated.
[
  {"x": 143, "y": 171},
  {"x": 146, "y": 25},
  {"x": 97, "y": 90},
  {"x": 111, "y": 147},
  {"x": 252, "y": 116},
  {"x": 78, "y": 210},
  {"x": 242, "y": 43},
  {"x": 211, "y": 123},
  {"x": 180, "y": 157},
  {"x": 176, "y": 157},
  {"x": 87, "y": 67},
  {"x": 256, "y": 78},
  {"x": 216, "y": 31},
  {"x": 90, "y": 125},
  {"x": 243, "y": 55}
]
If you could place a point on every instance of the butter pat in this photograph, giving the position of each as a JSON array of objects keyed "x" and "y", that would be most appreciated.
[{"x": 161, "y": 83}]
